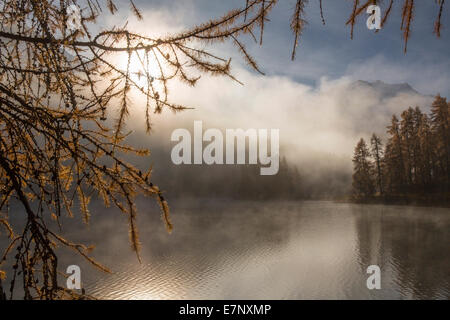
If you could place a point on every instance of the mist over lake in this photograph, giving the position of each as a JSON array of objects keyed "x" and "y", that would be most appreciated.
[{"x": 224, "y": 249}]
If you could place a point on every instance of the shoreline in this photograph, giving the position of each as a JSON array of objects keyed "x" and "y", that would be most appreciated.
[{"x": 439, "y": 202}]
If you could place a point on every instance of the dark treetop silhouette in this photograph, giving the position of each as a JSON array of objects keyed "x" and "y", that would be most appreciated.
[
  {"x": 415, "y": 163},
  {"x": 56, "y": 86}
]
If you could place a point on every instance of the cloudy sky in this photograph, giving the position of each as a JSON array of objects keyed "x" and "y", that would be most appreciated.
[
  {"x": 311, "y": 100},
  {"x": 327, "y": 51}
]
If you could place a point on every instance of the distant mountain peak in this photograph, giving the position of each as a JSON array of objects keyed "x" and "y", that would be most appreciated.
[{"x": 386, "y": 89}]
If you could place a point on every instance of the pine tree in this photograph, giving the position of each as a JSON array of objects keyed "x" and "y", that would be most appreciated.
[
  {"x": 441, "y": 131},
  {"x": 377, "y": 154},
  {"x": 395, "y": 168},
  {"x": 426, "y": 152},
  {"x": 362, "y": 171},
  {"x": 415, "y": 146},
  {"x": 407, "y": 136}
]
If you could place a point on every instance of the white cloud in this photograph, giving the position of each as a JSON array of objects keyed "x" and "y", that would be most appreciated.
[{"x": 328, "y": 119}]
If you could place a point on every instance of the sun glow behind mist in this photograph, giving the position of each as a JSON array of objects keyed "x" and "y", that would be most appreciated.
[{"x": 140, "y": 67}]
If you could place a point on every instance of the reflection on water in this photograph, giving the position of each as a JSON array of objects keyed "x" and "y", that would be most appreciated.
[
  {"x": 272, "y": 250},
  {"x": 279, "y": 250}
]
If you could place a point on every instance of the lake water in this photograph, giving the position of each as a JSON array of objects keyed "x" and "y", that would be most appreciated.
[
  {"x": 266, "y": 250},
  {"x": 276, "y": 250}
]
